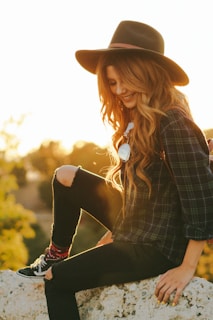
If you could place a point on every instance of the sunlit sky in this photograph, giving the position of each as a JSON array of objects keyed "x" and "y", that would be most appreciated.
[{"x": 40, "y": 78}]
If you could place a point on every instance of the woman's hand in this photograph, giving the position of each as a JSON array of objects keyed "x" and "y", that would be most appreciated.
[
  {"x": 173, "y": 281},
  {"x": 49, "y": 275},
  {"x": 176, "y": 279}
]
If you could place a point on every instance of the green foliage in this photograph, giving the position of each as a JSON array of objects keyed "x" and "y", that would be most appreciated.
[
  {"x": 14, "y": 217},
  {"x": 15, "y": 225},
  {"x": 15, "y": 220},
  {"x": 13, "y": 253},
  {"x": 205, "y": 266}
]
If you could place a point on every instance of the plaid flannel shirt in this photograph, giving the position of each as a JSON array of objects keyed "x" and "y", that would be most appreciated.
[{"x": 178, "y": 209}]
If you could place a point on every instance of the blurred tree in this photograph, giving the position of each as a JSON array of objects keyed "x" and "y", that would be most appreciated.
[
  {"x": 90, "y": 156},
  {"x": 19, "y": 171},
  {"x": 205, "y": 265},
  {"x": 47, "y": 158},
  {"x": 208, "y": 133},
  {"x": 45, "y": 192},
  {"x": 51, "y": 155},
  {"x": 15, "y": 221}
]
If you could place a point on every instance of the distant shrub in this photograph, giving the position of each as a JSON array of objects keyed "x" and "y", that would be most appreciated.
[
  {"x": 45, "y": 192},
  {"x": 205, "y": 265},
  {"x": 15, "y": 225}
]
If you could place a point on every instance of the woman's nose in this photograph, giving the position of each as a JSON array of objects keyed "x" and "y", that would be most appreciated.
[{"x": 120, "y": 89}]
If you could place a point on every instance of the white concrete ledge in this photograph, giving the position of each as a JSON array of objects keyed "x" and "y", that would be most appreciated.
[{"x": 23, "y": 299}]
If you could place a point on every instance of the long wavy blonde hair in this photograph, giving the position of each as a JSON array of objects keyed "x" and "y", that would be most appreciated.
[{"x": 156, "y": 95}]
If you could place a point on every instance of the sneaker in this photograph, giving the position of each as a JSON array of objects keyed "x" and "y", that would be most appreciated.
[{"x": 38, "y": 268}]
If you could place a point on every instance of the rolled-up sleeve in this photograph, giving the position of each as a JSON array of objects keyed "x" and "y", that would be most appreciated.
[{"x": 188, "y": 156}]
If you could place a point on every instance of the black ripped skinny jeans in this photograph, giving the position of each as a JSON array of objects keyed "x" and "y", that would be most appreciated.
[{"x": 114, "y": 263}]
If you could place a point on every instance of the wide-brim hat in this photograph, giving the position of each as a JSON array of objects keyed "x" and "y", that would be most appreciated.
[{"x": 137, "y": 37}]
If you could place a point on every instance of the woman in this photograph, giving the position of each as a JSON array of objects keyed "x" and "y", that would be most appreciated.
[{"x": 158, "y": 210}]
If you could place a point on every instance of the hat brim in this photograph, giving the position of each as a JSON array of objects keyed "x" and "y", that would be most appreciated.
[{"x": 88, "y": 59}]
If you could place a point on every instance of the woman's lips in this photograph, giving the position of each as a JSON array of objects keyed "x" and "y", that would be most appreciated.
[{"x": 127, "y": 97}]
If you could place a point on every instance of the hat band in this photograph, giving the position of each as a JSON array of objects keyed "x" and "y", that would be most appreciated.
[{"x": 123, "y": 45}]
